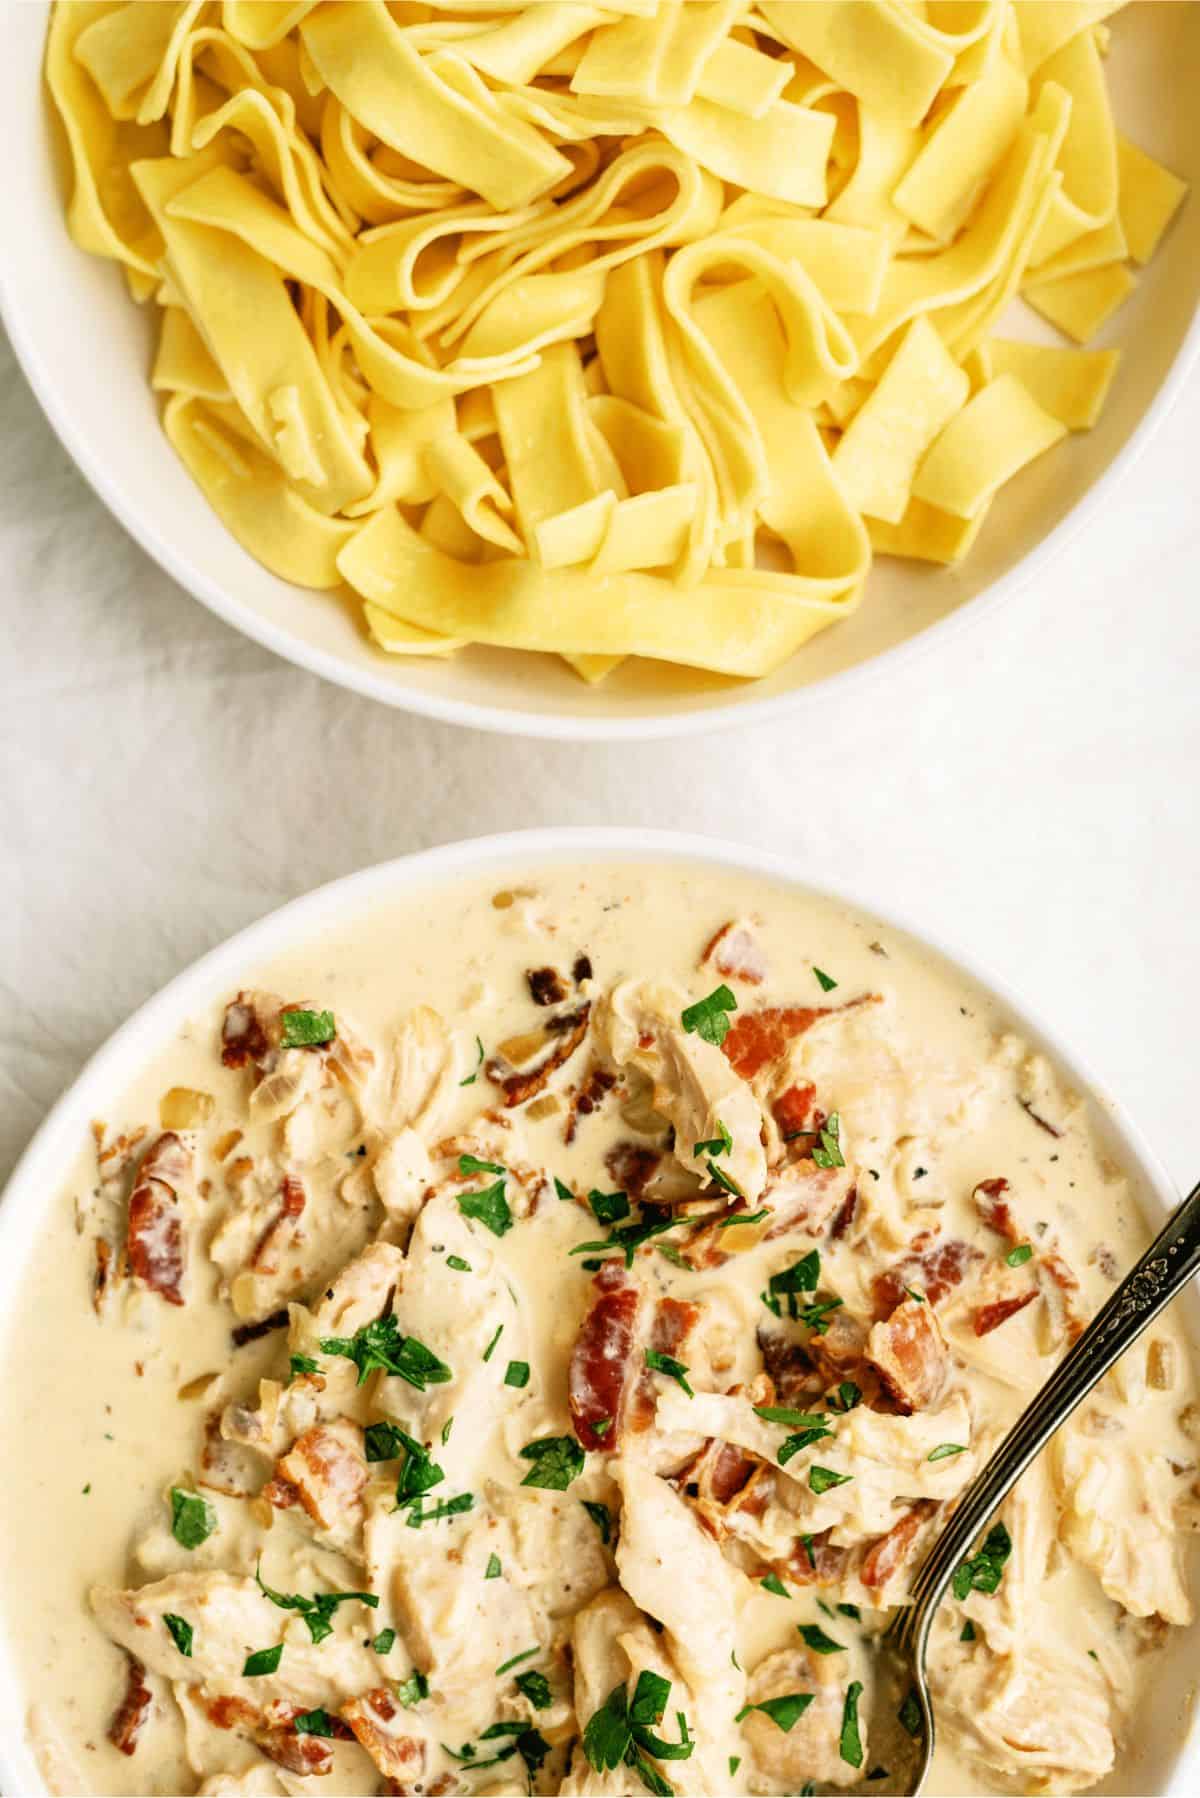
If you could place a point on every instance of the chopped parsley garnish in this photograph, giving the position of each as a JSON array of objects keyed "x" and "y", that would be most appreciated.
[
  {"x": 774, "y": 1584},
  {"x": 791, "y": 1445},
  {"x": 307, "y": 1029},
  {"x": 910, "y": 1715},
  {"x": 825, "y": 981},
  {"x": 721, "y": 1144},
  {"x": 472, "y": 1078},
  {"x": 848, "y": 1395},
  {"x": 317, "y": 1612},
  {"x": 851, "y": 1610},
  {"x": 413, "y": 1689},
  {"x": 446, "y": 1429},
  {"x": 181, "y": 1632},
  {"x": 828, "y": 1152},
  {"x": 708, "y": 1018},
  {"x": 494, "y": 1568},
  {"x": 384, "y": 1642},
  {"x": 557, "y": 1460},
  {"x": 302, "y": 1364},
  {"x": 601, "y": 1516},
  {"x": 489, "y": 1207},
  {"x": 944, "y": 1450},
  {"x": 674, "y": 1370},
  {"x": 917, "y": 1297},
  {"x": 785, "y": 1711},
  {"x": 984, "y": 1571},
  {"x": 536, "y": 1688},
  {"x": 821, "y": 1479},
  {"x": 629, "y": 1237},
  {"x": 383, "y": 1442},
  {"x": 808, "y": 1548},
  {"x": 608, "y": 1207},
  {"x": 850, "y": 1746},
  {"x": 968, "y": 1632},
  {"x": 445, "y": 1507},
  {"x": 419, "y": 1473},
  {"x": 816, "y": 1317},
  {"x": 802, "y": 1276},
  {"x": 517, "y": 1373},
  {"x": 488, "y": 1351},
  {"x": 564, "y": 1191},
  {"x": 313, "y": 1723},
  {"x": 602, "y": 1426},
  {"x": 458, "y": 1264},
  {"x": 670, "y": 1253},
  {"x": 818, "y": 1641},
  {"x": 1020, "y": 1255},
  {"x": 263, "y": 1660},
  {"x": 621, "y": 1731},
  {"x": 728, "y": 1184},
  {"x": 735, "y": 1761},
  {"x": 471, "y": 1164},
  {"x": 526, "y": 1654},
  {"x": 193, "y": 1519},
  {"x": 795, "y": 1420},
  {"x": 381, "y": 1345}
]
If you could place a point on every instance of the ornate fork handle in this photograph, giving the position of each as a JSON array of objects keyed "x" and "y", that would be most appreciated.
[{"x": 1165, "y": 1268}]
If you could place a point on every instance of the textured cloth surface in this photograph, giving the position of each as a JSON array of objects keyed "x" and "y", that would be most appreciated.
[{"x": 1028, "y": 789}]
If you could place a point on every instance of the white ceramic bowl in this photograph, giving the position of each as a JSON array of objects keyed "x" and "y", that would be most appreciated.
[
  {"x": 1164, "y": 1761},
  {"x": 85, "y": 349}
]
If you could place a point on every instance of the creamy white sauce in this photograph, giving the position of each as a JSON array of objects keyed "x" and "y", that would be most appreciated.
[{"x": 95, "y": 1431}]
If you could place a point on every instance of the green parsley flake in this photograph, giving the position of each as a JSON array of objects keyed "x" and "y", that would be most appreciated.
[
  {"x": 848, "y": 1395},
  {"x": 383, "y": 1442},
  {"x": 608, "y": 1207},
  {"x": 381, "y": 1345},
  {"x": 313, "y": 1723},
  {"x": 792, "y": 1445},
  {"x": 489, "y": 1207},
  {"x": 193, "y": 1519},
  {"x": 824, "y": 981},
  {"x": 802, "y": 1276},
  {"x": 601, "y": 1516},
  {"x": 458, "y": 1264},
  {"x": 307, "y": 1029},
  {"x": 264, "y": 1660},
  {"x": 944, "y": 1450},
  {"x": 445, "y": 1507},
  {"x": 384, "y": 1642},
  {"x": 472, "y": 1078},
  {"x": 818, "y": 1641},
  {"x": 823, "y": 1479},
  {"x": 828, "y": 1152},
  {"x": 446, "y": 1429},
  {"x": 850, "y": 1746},
  {"x": 517, "y": 1373},
  {"x": 181, "y": 1632},
  {"x": 536, "y": 1688},
  {"x": 707, "y": 1018},
  {"x": 795, "y": 1420},
  {"x": 674, "y": 1370},
  {"x": 471, "y": 1164},
  {"x": 557, "y": 1460},
  {"x": 721, "y": 1144},
  {"x": 1020, "y": 1255},
  {"x": 735, "y": 1761},
  {"x": 302, "y": 1364},
  {"x": 773, "y": 1583},
  {"x": 412, "y": 1690},
  {"x": 785, "y": 1711},
  {"x": 494, "y": 1568},
  {"x": 968, "y": 1632},
  {"x": 984, "y": 1571},
  {"x": 317, "y": 1612},
  {"x": 487, "y": 1353},
  {"x": 730, "y": 1185},
  {"x": 526, "y": 1654},
  {"x": 564, "y": 1191}
]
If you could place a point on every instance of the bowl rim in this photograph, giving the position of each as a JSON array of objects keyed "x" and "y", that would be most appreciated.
[
  {"x": 739, "y": 708},
  {"x": 43, "y": 1167}
]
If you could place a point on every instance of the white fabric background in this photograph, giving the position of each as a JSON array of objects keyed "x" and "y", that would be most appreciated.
[{"x": 1029, "y": 788}]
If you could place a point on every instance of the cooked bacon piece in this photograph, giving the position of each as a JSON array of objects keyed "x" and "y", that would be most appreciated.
[
  {"x": 133, "y": 1712},
  {"x": 564, "y": 1033},
  {"x": 793, "y": 1110},
  {"x": 251, "y": 1029},
  {"x": 994, "y": 1209},
  {"x": 279, "y": 1234},
  {"x": 840, "y": 1353},
  {"x": 272, "y": 1728},
  {"x": 908, "y": 1352},
  {"x": 545, "y": 986},
  {"x": 296, "y": 1753},
  {"x": 795, "y": 1379},
  {"x": 379, "y": 1726},
  {"x": 887, "y": 1554},
  {"x": 933, "y": 1268},
  {"x": 154, "y": 1243},
  {"x": 718, "y": 1473},
  {"x": 758, "y": 1038},
  {"x": 596, "y": 1084},
  {"x": 803, "y": 1196},
  {"x": 815, "y": 1562},
  {"x": 632, "y": 1167},
  {"x": 601, "y": 1361},
  {"x": 987, "y": 1318},
  {"x": 735, "y": 953},
  {"x": 844, "y": 1216},
  {"x": 328, "y": 1470},
  {"x": 673, "y": 1322}
]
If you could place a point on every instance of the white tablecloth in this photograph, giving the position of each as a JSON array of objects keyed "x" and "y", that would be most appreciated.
[{"x": 1029, "y": 789}]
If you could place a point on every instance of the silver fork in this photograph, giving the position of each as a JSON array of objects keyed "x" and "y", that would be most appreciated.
[{"x": 901, "y": 1723}]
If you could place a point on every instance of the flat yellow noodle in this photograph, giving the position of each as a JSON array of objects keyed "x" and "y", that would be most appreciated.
[
  {"x": 1081, "y": 304},
  {"x": 995, "y": 435},
  {"x": 1071, "y": 385},
  {"x": 631, "y": 327},
  {"x": 1150, "y": 196}
]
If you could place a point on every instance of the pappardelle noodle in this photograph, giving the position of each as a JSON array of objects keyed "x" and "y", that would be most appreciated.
[{"x": 627, "y": 329}]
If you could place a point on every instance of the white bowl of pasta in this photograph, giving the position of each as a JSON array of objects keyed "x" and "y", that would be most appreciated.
[
  {"x": 692, "y": 471},
  {"x": 93, "y": 1482}
]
